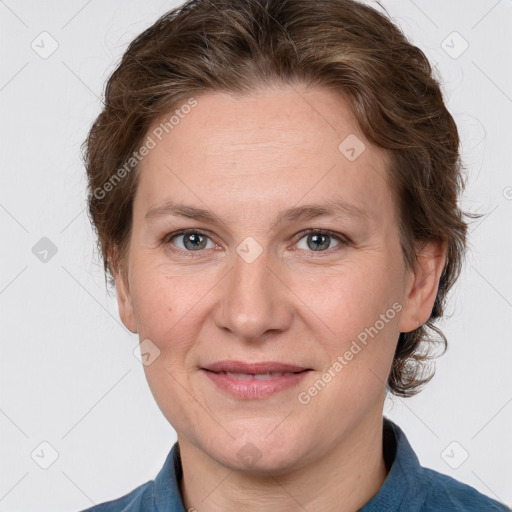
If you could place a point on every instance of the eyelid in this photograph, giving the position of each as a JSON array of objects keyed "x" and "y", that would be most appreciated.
[{"x": 333, "y": 234}]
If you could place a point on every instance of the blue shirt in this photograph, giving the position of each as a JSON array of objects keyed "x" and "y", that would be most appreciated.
[{"x": 408, "y": 487}]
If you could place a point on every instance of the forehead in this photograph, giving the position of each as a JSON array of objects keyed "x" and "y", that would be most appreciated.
[{"x": 281, "y": 146}]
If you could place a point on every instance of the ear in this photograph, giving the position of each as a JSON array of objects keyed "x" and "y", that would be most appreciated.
[
  {"x": 124, "y": 300},
  {"x": 422, "y": 285}
]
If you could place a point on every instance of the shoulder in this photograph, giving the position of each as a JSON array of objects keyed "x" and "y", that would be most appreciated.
[
  {"x": 449, "y": 495},
  {"x": 162, "y": 493},
  {"x": 411, "y": 487},
  {"x": 140, "y": 499}
]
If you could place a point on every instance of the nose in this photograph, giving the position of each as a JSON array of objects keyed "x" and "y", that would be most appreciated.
[{"x": 253, "y": 300}]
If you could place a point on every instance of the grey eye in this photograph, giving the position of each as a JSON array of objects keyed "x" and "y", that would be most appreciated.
[
  {"x": 192, "y": 241},
  {"x": 317, "y": 241}
]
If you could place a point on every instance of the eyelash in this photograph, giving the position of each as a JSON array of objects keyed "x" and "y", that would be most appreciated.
[{"x": 343, "y": 240}]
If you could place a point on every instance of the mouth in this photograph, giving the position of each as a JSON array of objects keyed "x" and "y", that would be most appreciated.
[
  {"x": 257, "y": 376},
  {"x": 254, "y": 380}
]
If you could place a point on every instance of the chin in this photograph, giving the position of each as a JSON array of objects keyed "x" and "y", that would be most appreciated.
[
  {"x": 254, "y": 452},
  {"x": 252, "y": 460}
]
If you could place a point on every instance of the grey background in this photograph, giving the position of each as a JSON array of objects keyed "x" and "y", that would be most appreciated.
[{"x": 68, "y": 375}]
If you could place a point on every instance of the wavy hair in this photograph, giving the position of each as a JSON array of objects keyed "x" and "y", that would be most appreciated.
[{"x": 240, "y": 45}]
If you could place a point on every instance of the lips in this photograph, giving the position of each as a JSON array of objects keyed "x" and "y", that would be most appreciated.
[
  {"x": 254, "y": 381},
  {"x": 264, "y": 368},
  {"x": 257, "y": 376}
]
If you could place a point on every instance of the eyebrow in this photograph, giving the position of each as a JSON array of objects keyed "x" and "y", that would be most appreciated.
[{"x": 334, "y": 208}]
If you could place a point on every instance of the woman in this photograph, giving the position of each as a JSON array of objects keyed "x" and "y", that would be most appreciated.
[{"x": 274, "y": 185}]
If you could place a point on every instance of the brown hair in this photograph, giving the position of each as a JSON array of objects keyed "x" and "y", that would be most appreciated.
[{"x": 236, "y": 46}]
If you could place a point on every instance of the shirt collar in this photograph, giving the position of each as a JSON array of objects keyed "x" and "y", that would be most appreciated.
[
  {"x": 166, "y": 487},
  {"x": 402, "y": 484}
]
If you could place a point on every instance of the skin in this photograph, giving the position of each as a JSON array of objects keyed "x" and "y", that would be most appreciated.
[{"x": 245, "y": 159}]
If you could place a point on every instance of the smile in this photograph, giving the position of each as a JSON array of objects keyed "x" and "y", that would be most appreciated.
[{"x": 248, "y": 386}]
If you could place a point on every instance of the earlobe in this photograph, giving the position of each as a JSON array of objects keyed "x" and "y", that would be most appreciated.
[
  {"x": 124, "y": 300},
  {"x": 422, "y": 285}
]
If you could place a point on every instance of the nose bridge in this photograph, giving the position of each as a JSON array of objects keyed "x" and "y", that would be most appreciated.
[{"x": 253, "y": 300}]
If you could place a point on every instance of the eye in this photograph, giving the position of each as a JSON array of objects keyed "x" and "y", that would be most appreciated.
[
  {"x": 192, "y": 240},
  {"x": 320, "y": 240}
]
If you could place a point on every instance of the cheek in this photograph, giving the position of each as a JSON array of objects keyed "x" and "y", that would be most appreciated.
[
  {"x": 351, "y": 298},
  {"x": 361, "y": 307},
  {"x": 167, "y": 308},
  {"x": 163, "y": 305}
]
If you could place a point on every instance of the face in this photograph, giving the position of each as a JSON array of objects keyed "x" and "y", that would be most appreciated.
[{"x": 269, "y": 277}]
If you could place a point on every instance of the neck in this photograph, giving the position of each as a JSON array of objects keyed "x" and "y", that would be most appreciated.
[{"x": 343, "y": 479}]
